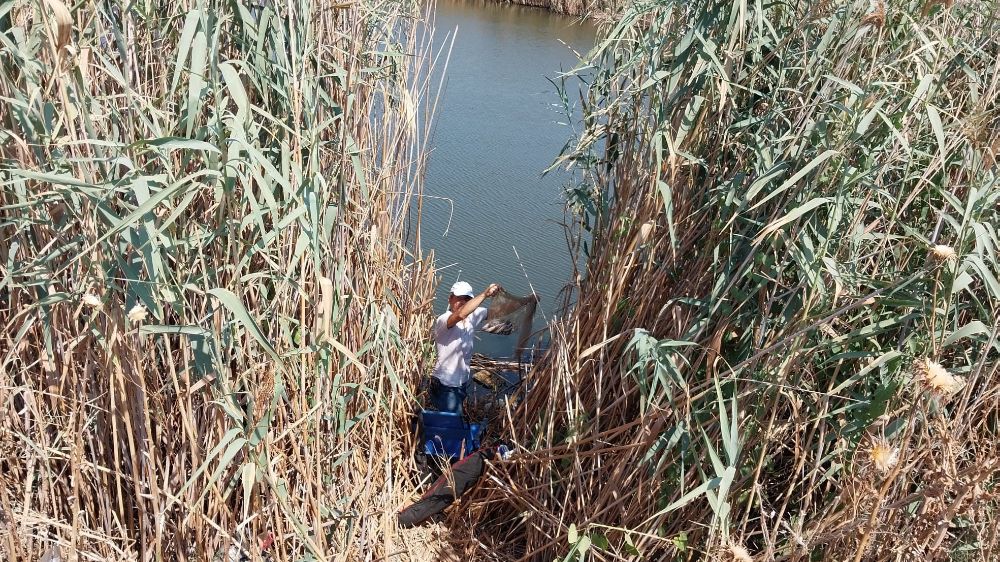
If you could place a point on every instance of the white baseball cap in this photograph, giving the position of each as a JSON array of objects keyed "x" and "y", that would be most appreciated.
[{"x": 462, "y": 289}]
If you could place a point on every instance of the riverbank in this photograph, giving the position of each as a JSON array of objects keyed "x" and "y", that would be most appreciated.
[
  {"x": 568, "y": 7},
  {"x": 585, "y": 8}
]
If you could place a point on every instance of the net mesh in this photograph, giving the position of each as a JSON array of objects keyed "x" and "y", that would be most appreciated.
[{"x": 509, "y": 314}]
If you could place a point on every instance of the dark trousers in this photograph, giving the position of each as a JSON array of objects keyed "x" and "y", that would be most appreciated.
[{"x": 444, "y": 398}]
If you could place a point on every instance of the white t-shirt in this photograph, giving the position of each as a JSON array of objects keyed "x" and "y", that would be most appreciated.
[{"x": 454, "y": 347}]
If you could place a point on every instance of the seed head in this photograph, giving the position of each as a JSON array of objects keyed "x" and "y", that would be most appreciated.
[
  {"x": 943, "y": 253},
  {"x": 935, "y": 378},
  {"x": 738, "y": 553},
  {"x": 137, "y": 314},
  {"x": 91, "y": 300},
  {"x": 263, "y": 399},
  {"x": 883, "y": 456},
  {"x": 646, "y": 231}
]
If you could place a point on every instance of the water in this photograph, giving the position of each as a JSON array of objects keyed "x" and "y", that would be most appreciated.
[{"x": 498, "y": 126}]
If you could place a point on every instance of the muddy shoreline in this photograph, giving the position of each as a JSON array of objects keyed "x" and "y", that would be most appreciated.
[{"x": 567, "y": 7}]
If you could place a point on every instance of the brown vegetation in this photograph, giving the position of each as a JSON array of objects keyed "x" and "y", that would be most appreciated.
[
  {"x": 208, "y": 279},
  {"x": 784, "y": 343}
]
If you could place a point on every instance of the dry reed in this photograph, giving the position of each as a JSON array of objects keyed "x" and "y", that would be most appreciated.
[
  {"x": 212, "y": 302},
  {"x": 762, "y": 188}
]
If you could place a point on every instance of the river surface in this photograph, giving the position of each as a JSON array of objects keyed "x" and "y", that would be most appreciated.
[{"x": 499, "y": 123}]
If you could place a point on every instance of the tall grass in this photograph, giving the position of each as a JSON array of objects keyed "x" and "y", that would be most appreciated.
[
  {"x": 784, "y": 345},
  {"x": 210, "y": 310}
]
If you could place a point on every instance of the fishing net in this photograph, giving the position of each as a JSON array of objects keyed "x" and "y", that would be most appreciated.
[{"x": 509, "y": 314}]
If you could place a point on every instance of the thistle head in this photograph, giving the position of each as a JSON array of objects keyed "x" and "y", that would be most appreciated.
[
  {"x": 91, "y": 300},
  {"x": 882, "y": 455},
  {"x": 936, "y": 379},
  {"x": 137, "y": 314},
  {"x": 943, "y": 253},
  {"x": 739, "y": 553}
]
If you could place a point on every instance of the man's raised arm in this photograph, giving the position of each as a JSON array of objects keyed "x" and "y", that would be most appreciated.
[{"x": 471, "y": 305}]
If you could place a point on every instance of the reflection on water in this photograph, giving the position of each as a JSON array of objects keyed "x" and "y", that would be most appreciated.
[{"x": 497, "y": 128}]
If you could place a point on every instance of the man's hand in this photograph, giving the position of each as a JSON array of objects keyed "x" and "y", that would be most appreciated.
[{"x": 492, "y": 289}]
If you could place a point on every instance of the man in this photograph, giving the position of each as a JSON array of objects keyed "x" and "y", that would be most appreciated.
[{"x": 454, "y": 333}]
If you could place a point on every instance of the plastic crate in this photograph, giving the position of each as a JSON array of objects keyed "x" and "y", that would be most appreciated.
[{"x": 446, "y": 434}]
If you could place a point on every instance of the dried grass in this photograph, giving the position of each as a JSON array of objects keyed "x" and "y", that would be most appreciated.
[
  {"x": 717, "y": 389},
  {"x": 212, "y": 304}
]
